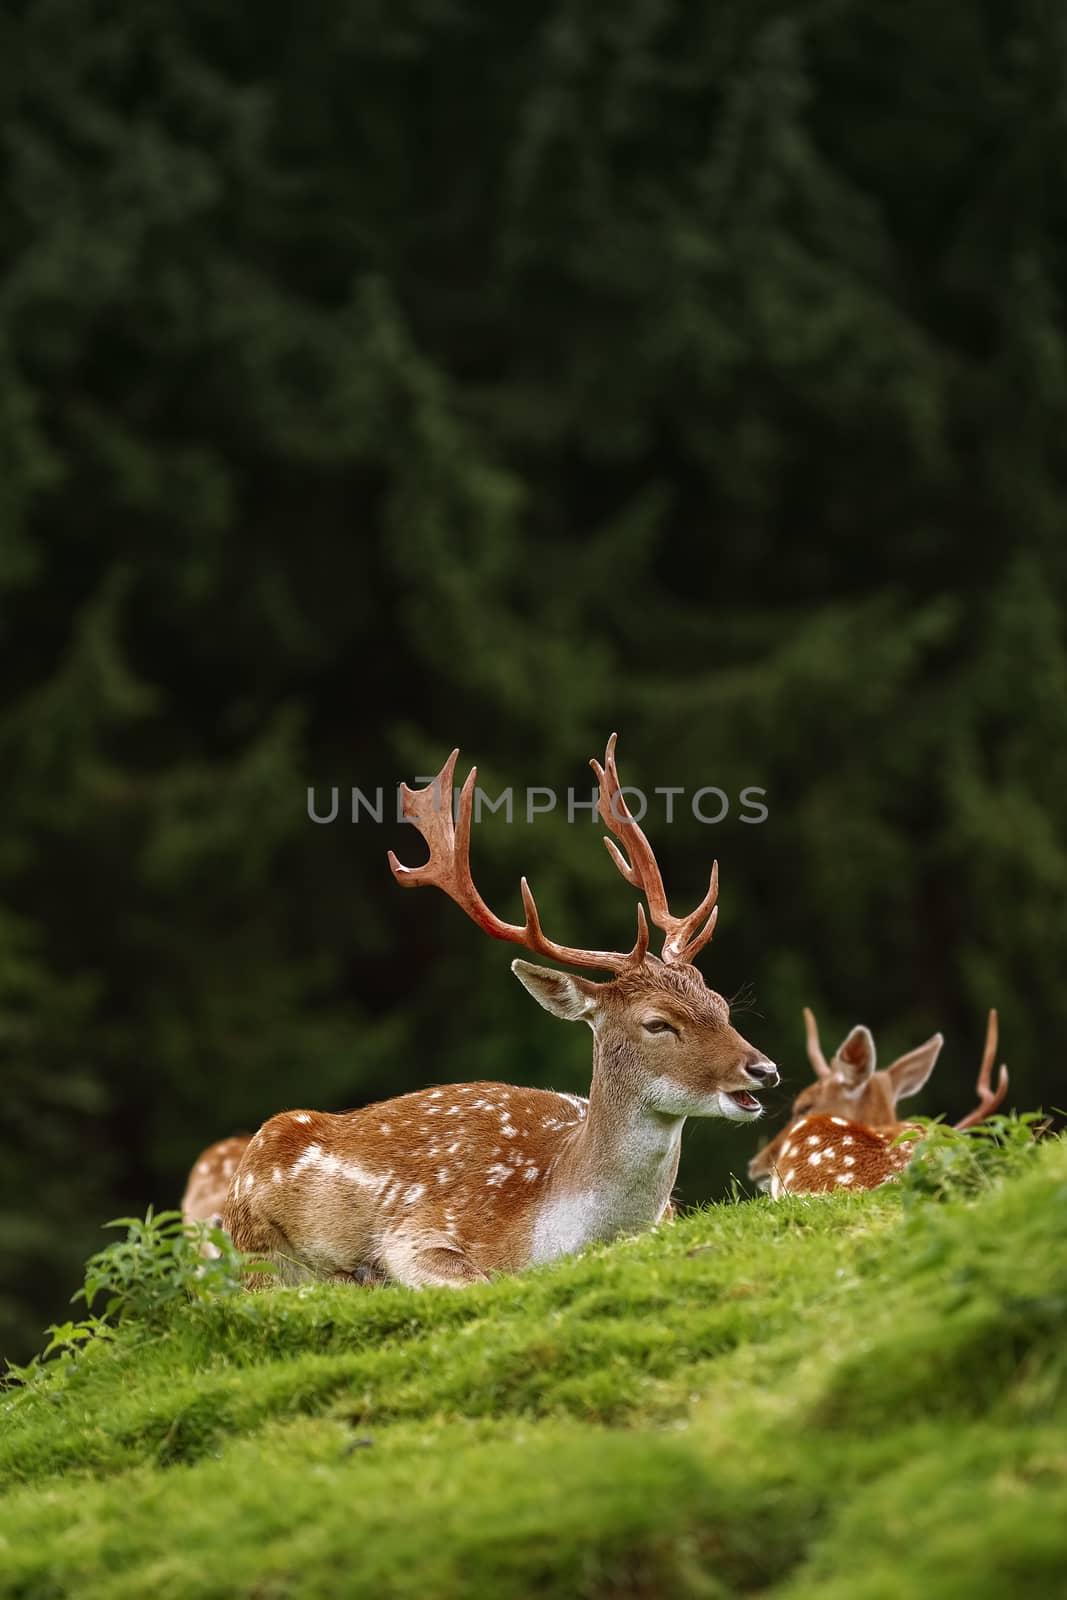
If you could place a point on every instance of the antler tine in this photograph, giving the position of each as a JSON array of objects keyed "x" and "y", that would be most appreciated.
[
  {"x": 988, "y": 1099},
  {"x": 433, "y": 819},
  {"x": 683, "y": 940},
  {"x": 448, "y": 868},
  {"x": 818, "y": 1061}
]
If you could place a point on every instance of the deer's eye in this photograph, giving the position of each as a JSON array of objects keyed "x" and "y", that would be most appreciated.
[{"x": 659, "y": 1025}]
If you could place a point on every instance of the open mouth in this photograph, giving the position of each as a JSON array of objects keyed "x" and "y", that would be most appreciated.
[{"x": 746, "y": 1101}]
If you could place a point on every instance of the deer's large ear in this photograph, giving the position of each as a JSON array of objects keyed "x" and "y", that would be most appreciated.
[
  {"x": 854, "y": 1061},
  {"x": 910, "y": 1072},
  {"x": 566, "y": 996}
]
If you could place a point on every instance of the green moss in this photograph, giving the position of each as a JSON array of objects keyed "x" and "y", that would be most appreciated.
[{"x": 859, "y": 1396}]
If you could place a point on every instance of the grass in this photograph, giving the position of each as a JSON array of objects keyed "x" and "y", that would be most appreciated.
[{"x": 857, "y": 1396}]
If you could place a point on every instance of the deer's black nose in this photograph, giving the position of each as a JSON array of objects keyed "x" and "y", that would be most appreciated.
[{"x": 763, "y": 1072}]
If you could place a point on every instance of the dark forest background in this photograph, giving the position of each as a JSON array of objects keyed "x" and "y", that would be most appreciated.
[{"x": 377, "y": 378}]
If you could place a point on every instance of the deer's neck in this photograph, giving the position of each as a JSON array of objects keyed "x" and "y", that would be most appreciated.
[{"x": 615, "y": 1171}]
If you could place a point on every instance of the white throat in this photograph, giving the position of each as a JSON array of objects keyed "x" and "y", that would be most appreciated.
[{"x": 615, "y": 1177}]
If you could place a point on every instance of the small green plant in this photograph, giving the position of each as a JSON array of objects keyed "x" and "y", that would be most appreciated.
[
  {"x": 949, "y": 1162},
  {"x": 158, "y": 1263},
  {"x": 67, "y": 1341}
]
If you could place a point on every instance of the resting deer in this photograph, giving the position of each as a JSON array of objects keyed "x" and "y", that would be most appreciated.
[
  {"x": 446, "y": 1185},
  {"x": 208, "y": 1183},
  {"x": 844, "y": 1130}
]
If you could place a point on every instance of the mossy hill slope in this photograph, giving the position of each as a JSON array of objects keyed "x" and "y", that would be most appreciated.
[{"x": 855, "y": 1398}]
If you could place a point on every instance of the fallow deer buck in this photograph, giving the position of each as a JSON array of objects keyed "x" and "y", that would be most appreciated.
[
  {"x": 843, "y": 1130},
  {"x": 447, "y": 1185}
]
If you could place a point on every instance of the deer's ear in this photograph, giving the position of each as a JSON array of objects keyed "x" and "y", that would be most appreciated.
[
  {"x": 854, "y": 1061},
  {"x": 910, "y": 1072},
  {"x": 566, "y": 996}
]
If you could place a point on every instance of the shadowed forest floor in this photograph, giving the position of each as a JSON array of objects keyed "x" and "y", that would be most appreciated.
[{"x": 850, "y": 1398}]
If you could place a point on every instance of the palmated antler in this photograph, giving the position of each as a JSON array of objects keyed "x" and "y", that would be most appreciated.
[
  {"x": 819, "y": 1063},
  {"x": 448, "y": 868},
  {"x": 988, "y": 1099},
  {"x": 685, "y": 936}
]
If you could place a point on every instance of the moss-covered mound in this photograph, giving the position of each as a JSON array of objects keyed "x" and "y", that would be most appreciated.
[{"x": 846, "y": 1398}]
